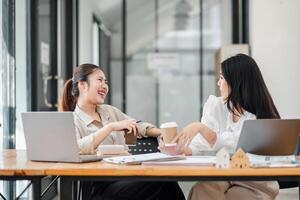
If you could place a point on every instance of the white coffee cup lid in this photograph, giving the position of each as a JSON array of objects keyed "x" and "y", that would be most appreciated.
[
  {"x": 168, "y": 125},
  {"x": 170, "y": 144}
]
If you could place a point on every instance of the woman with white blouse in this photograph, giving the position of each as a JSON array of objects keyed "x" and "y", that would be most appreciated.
[
  {"x": 244, "y": 96},
  {"x": 217, "y": 117}
]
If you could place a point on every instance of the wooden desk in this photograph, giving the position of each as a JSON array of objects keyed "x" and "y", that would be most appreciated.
[{"x": 14, "y": 165}]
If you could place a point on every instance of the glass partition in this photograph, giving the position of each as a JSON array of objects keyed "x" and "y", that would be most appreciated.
[
  {"x": 1, "y": 84},
  {"x": 7, "y": 102},
  {"x": 170, "y": 52},
  {"x": 22, "y": 73}
]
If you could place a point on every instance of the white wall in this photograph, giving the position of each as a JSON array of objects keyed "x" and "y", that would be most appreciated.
[{"x": 275, "y": 45}]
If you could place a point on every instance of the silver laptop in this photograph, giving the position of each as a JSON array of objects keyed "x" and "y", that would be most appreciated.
[
  {"x": 270, "y": 136},
  {"x": 50, "y": 136}
]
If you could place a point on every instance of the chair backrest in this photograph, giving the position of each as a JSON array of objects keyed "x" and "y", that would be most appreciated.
[
  {"x": 298, "y": 147},
  {"x": 144, "y": 145},
  {"x": 291, "y": 184}
]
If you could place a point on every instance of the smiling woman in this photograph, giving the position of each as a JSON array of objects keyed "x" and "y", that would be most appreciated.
[
  {"x": 97, "y": 123},
  {"x": 95, "y": 87}
]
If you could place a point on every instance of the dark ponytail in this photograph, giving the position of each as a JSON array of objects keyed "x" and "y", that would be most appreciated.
[
  {"x": 68, "y": 100},
  {"x": 70, "y": 92}
]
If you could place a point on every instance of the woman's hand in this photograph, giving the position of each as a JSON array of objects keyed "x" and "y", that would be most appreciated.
[
  {"x": 189, "y": 132},
  {"x": 126, "y": 124},
  {"x": 181, "y": 141},
  {"x": 174, "y": 148}
]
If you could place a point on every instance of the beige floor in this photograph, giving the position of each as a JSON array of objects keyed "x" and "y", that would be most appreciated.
[
  {"x": 285, "y": 194},
  {"x": 288, "y": 194}
]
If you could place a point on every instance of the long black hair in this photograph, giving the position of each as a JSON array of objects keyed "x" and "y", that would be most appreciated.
[{"x": 248, "y": 90}]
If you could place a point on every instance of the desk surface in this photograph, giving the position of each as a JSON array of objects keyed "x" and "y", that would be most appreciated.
[{"x": 15, "y": 163}]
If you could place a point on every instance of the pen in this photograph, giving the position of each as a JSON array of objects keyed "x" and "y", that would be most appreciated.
[{"x": 138, "y": 121}]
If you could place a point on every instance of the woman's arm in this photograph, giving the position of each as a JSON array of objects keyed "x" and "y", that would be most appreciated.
[
  {"x": 208, "y": 134},
  {"x": 102, "y": 133},
  {"x": 153, "y": 132},
  {"x": 188, "y": 134},
  {"x": 89, "y": 143},
  {"x": 182, "y": 140},
  {"x": 191, "y": 130},
  {"x": 143, "y": 128},
  {"x": 206, "y": 128}
]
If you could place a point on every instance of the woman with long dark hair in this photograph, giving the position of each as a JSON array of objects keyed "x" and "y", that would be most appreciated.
[
  {"x": 97, "y": 123},
  {"x": 244, "y": 95}
]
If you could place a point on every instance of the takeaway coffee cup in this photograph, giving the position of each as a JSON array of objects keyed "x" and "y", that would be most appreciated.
[
  {"x": 130, "y": 138},
  {"x": 168, "y": 131}
]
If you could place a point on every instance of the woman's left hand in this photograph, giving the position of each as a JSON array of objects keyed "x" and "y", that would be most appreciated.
[{"x": 189, "y": 132}]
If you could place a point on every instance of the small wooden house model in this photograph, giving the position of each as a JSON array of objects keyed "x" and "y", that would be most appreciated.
[
  {"x": 223, "y": 158},
  {"x": 240, "y": 159}
]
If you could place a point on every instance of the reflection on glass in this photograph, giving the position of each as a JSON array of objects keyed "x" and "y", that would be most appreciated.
[
  {"x": 21, "y": 81},
  {"x": 168, "y": 87},
  {"x": 1, "y": 79},
  {"x": 96, "y": 42}
]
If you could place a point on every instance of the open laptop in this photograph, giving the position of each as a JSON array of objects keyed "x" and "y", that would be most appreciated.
[
  {"x": 51, "y": 136},
  {"x": 270, "y": 136}
]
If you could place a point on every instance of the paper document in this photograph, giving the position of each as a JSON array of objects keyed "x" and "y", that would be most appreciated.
[
  {"x": 273, "y": 161},
  {"x": 138, "y": 159},
  {"x": 189, "y": 161}
]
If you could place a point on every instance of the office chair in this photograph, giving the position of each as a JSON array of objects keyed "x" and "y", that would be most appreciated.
[
  {"x": 144, "y": 145},
  {"x": 291, "y": 184}
]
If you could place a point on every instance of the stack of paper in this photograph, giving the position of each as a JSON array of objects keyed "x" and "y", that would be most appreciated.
[
  {"x": 189, "y": 161},
  {"x": 138, "y": 159},
  {"x": 273, "y": 161}
]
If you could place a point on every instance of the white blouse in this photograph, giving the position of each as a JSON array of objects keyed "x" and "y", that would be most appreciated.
[{"x": 217, "y": 117}]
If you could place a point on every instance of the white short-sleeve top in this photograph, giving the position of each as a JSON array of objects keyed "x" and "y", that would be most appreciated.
[{"x": 217, "y": 117}]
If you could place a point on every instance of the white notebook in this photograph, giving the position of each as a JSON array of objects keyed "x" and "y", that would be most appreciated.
[
  {"x": 258, "y": 161},
  {"x": 189, "y": 161},
  {"x": 140, "y": 158}
]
